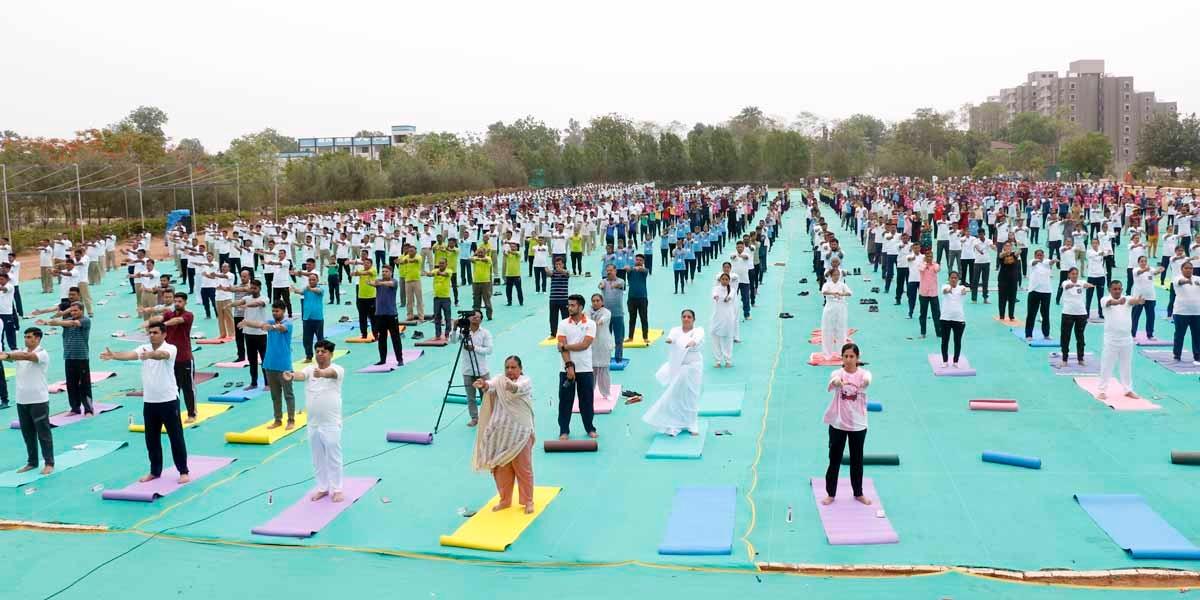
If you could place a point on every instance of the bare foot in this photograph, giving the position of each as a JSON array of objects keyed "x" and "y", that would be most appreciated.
[
  {"x": 318, "y": 496},
  {"x": 564, "y": 437},
  {"x": 185, "y": 478},
  {"x": 827, "y": 500},
  {"x": 26, "y": 468},
  {"x": 472, "y": 422},
  {"x": 529, "y": 509},
  {"x": 1101, "y": 396},
  {"x": 693, "y": 432},
  {"x": 500, "y": 507},
  {"x": 863, "y": 499},
  {"x": 290, "y": 425},
  {"x": 593, "y": 435},
  {"x": 275, "y": 424},
  {"x": 48, "y": 469},
  {"x": 190, "y": 420},
  {"x": 1131, "y": 394},
  {"x": 147, "y": 477},
  {"x": 337, "y": 497},
  {"x": 250, "y": 387}
]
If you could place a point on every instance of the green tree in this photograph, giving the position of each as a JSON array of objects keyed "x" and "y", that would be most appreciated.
[
  {"x": 1029, "y": 157},
  {"x": 574, "y": 169},
  {"x": 608, "y": 149},
  {"x": 1169, "y": 142},
  {"x": 673, "y": 157},
  {"x": 786, "y": 155},
  {"x": 953, "y": 164},
  {"x": 700, "y": 153},
  {"x": 649, "y": 163},
  {"x": 750, "y": 157},
  {"x": 724, "y": 153},
  {"x": 146, "y": 120},
  {"x": 1031, "y": 127},
  {"x": 1088, "y": 155}
]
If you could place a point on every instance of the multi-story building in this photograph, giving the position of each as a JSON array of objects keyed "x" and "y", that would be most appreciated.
[
  {"x": 1086, "y": 96},
  {"x": 365, "y": 147}
]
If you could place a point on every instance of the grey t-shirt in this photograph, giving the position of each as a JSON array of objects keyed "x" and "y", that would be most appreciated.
[{"x": 614, "y": 296}]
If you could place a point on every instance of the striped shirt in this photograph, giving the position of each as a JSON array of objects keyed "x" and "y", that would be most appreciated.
[
  {"x": 75, "y": 340},
  {"x": 558, "y": 285}
]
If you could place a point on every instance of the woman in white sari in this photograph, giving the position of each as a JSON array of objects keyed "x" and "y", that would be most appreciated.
[
  {"x": 679, "y": 406},
  {"x": 834, "y": 319},
  {"x": 504, "y": 441},
  {"x": 724, "y": 321}
]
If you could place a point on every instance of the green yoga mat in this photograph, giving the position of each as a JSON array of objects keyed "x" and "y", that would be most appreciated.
[{"x": 62, "y": 462}]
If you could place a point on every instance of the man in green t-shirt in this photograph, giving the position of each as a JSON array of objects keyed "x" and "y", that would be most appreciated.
[
  {"x": 450, "y": 255},
  {"x": 481, "y": 280},
  {"x": 364, "y": 296},
  {"x": 442, "y": 280},
  {"x": 410, "y": 272},
  {"x": 512, "y": 273}
]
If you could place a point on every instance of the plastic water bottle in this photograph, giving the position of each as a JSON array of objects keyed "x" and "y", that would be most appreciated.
[
  {"x": 131, "y": 418},
  {"x": 29, "y": 491},
  {"x": 628, "y": 430},
  {"x": 98, "y": 487},
  {"x": 789, "y": 514},
  {"x": 270, "y": 498}
]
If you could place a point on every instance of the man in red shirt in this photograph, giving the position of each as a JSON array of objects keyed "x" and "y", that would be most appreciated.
[{"x": 178, "y": 323}]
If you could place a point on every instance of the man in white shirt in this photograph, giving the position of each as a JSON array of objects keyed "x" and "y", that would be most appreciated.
[
  {"x": 160, "y": 400},
  {"x": 575, "y": 336},
  {"x": 33, "y": 400},
  {"x": 1040, "y": 286},
  {"x": 1118, "y": 343},
  {"x": 8, "y": 315},
  {"x": 323, "y": 403},
  {"x": 474, "y": 361}
]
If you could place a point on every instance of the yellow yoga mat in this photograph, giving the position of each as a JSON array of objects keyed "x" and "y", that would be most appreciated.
[
  {"x": 262, "y": 435},
  {"x": 204, "y": 412},
  {"x": 550, "y": 341},
  {"x": 300, "y": 364},
  {"x": 639, "y": 342},
  {"x": 370, "y": 339},
  {"x": 496, "y": 531}
]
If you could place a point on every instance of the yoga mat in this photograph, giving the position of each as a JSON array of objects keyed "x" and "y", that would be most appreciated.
[
  {"x": 1167, "y": 360},
  {"x": 1136, "y": 528},
  {"x": 97, "y": 376},
  {"x": 1015, "y": 460},
  {"x": 241, "y": 364},
  {"x": 198, "y": 377},
  {"x": 149, "y": 491},
  {"x": 262, "y": 435},
  {"x": 65, "y": 418},
  {"x": 414, "y": 321},
  {"x": 553, "y": 341},
  {"x": 639, "y": 342},
  {"x": 700, "y": 522},
  {"x": 495, "y": 531},
  {"x": 1091, "y": 364},
  {"x": 613, "y": 365},
  {"x": 140, "y": 338},
  {"x": 684, "y": 445},
  {"x": 873, "y": 406},
  {"x": 300, "y": 364},
  {"x": 722, "y": 401},
  {"x": 602, "y": 404},
  {"x": 992, "y": 406},
  {"x": 370, "y": 339},
  {"x": 963, "y": 369},
  {"x": 891, "y": 460},
  {"x": 1115, "y": 396},
  {"x": 1141, "y": 340},
  {"x": 204, "y": 412},
  {"x": 64, "y": 460},
  {"x": 305, "y": 518},
  {"x": 237, "y": 394},
  {"x": 410, "y": 437},
  {"x": 331, "y": 331},
  {"x": 1038, "y": 341},
  {"x": 570, "y": 446},
  {"x": 391, "y": 365},
  {"x": 431, "y": 342},
  {"x": 817, "y": 359},
  {"x": 1010, "y": 322},
  {"x": 848, "y": 522},
  {"x": 213, "y": 341},
  {"x": 1182, "y": 457}
]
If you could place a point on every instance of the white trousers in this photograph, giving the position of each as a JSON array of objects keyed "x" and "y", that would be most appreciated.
[
  {"x": 326, "y": 443},
  {"x": 722, "y": 348},
  {"x": 834, "y": 327},
  {"x": 1120, "y": 356}
]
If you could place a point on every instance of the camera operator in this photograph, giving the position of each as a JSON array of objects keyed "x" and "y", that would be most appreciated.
[{"x": 477, "y": 345}]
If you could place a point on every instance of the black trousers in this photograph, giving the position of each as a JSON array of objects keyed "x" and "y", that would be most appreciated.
[
  {"x": 979, "y": 279},
  {"x": 283, "y": 295},
  {"x": 539, "y": 279},
  {"x": 239, "y": 339},
  {"x": 510, "y": 282},
  {"x": 955, "y": 329},
  {"x": 79, "y": 384},
  {"x": 576, "y": 263},
  {"x": 558, "y": 312},
  {"x": 927, "y": 303},
  {"x": 901, "y": 282},
  {"x": 1072, "y": 323},
  {"x": 165, "y": 415},
  {"x": 256, "y": 353},
  {"x": 366, "y": 314},
  {"x": 1039, "y": 303},
  {"x": 1097, "y": 291},
  {"x": 35, "y": 428},
  {"x": 638, "y": 307},
  {"x": 386, "y": 325},
  {"x": 583, "y": 387},
  {"x": 837, "y": 445},
  {"x": 186, "y": 384},
  {"x": 680, "y": 280},
  {"x": 1008, "y": 298}
]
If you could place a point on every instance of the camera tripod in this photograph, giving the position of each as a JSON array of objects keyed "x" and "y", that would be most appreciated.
[{"x": 465, "y": 339}]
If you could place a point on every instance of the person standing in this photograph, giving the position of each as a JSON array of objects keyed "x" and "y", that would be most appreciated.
[
  {"x": 603, "y": 344},
  {"x": 639, "y": 297},
  {"x": 312, "y": 313},
  {"x": 678, "y": 408},
  {"x": 575, "y": 335},
  {"x": 443, "y": 279},
  {"x": 410, "y": 271},
  {"x": 927, "y": 291},
  {"x": 1008, "y": 279},
  {"x": 741, "y": 261},
  {"x": 223, "y": 282},
  {"x": 323, "y": 404},
  {"x": 834, "y": 318},
  {"x": 504, "y": 440},
  {"x": 178, "y": 324},
  {"x": 723, "y": 325},
  {"x": 475, "y": 362},
  {"x": 277, "y": 362},
  {"x": 8, "y": 312},
  {"x": 481, "y": 280},
  {"x": 613, "y": 291},
  {"x": 160, "y": 401},
  {"x": 1038, "y": 299},
  {"x": 512, "y": 273},
  {"x": 954, "y": 319},
  {"x": 254, "y": 309},
  {"x": 1074, "y": 314},
  {"x": 1187, "y": 312},
  {"x": 76, "y": 330},
  {"x": 364, "y": 293},
  {"x": 1143, "y": 287},
  {"x": 559, "y": 293},
  {"x": 33, "y": 400},
  {"x": 846, "y": 417},
  {"x": 387, "y": 318},
  {"x": 1118, "y": 344}
]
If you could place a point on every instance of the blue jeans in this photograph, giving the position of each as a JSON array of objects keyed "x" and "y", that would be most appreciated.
[
  {"x": 1183, "y": 323},
  {"x": 312, "y": 329},
  {"x": 10, "y": 330},
  {"x": 744, "y": 292},
  {"x": 617, "y": 328},
  {"x": 1137, "y": 313}
]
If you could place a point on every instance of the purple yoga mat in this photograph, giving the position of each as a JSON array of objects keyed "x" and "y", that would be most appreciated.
[
  {"x": 964, "y": 368},
  {"x": 1167, "y": 360},
  {"x": 149, "y": 491},
  {"x": 305, "y": 518},
  {"x": 1141, "y": 340},
  {"x": 849, "y": 522},
  {"x": 390, "y": 365},
  {"x": 410, "y": 437},
  {"x": 1091, "y": 364},
  {"x": 63, "y": 419}
]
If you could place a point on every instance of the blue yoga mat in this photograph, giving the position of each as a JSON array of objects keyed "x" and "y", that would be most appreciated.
[
  {"x": 1135, "y": 527},
  {"x": 722, "y": 401},
  {"x": 684, "y": 445},
  {"x": 71, "y": 458},
  {"x": 873, "y": 406},
  {"x": 237, "y": 395},
  {"x": 701, "y": 521},
  {"x": 1038, "y": 340},
  {"x": 613, "y": 365}
]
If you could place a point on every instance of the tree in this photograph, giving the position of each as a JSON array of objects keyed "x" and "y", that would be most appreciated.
[
  {"x": 953, "y": 164},
  {"x": 147, "y": 120},
  {"x": 1031, "y": 127},
  {"x": 369, "y": 133},
  {"x": 750, "y": 157},
  {"x": 534, "y": 144},
  {"x": 608, "y": 149},
  {"x": 724, "y": 153},
  {"x": 1169, "y": 142},
  {"x": 190, "y": 150},
  {"x": 1029, "y": 157},
  {"x": 1088, "y": 155},
  {"x": 786, "y": 155},
  {"x": 649, "y": 164},
  {"x": 699, "y": 152},
  {"x": 673, "y": 157}
]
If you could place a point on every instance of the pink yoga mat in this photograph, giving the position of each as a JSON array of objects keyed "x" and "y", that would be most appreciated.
[
  {"x": 212, "y": 341},
  {"x": 1007, "y": 406},
  {"x": 847, "y": 522},
  {"x": 602, "y": 404},
  {"x": 97, "y": 376},
  {"x": 241, "y": 364},
  {"x": 1114, "y": 395},
  {"x": 391, "y": 365},
  {"x": 430, "y": 342},
  {"x": 1142, "y": 340},
  {"x": 963, "y": 369},
  {"x": 305, "y": 518},
  {"x": 199, "y": 377},
  {"x": 149, "y": 491},
  {"x": 817, "y": 359},
  {"x": 63, "y": 419}
]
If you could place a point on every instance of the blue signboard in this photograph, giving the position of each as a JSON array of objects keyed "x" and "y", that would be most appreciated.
[
  {"x": 324, "y": 142},
  {"x": 362, "y": 141},
  {"x": 381, "y": 141},
  {"x": 343, "y": 141},
  {"x": 307, "y": 142}
]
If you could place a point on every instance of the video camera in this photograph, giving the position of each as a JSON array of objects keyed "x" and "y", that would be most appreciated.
[{"x": 463, "y": 322}]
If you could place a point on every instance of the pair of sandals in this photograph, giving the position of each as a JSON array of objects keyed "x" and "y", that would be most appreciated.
[
  {"x": 873, "y": 308},
  {"x": 875, "y": 290},
  {"x": 631, "y": 397},
  {"x": 868, "y": 301},
  {"x": 784, "y": 315}
]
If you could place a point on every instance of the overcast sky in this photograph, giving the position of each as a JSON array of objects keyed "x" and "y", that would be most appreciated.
[{"x": 322, "y": 69}]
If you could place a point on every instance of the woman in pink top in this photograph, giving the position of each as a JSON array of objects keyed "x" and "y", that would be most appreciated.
[
  {"x": 847, "y": 419},
  {"x": 927, "y": 292}
]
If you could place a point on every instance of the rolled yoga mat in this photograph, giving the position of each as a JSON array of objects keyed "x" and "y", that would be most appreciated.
[
  {"x": 873, "y": 406},
  {"x": 876, "y": 459},
  {"x": 410, "y": 437},
  {"x": 1182, "y": 457},
  {"x": 1004, "y": 458},
  {"x": 993, "y": 405},
  {"x": 570, "y": 446}
]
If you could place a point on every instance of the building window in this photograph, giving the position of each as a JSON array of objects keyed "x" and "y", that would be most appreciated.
[
  {"x": 1126, "y": 138},
  {"x": 1126, "y": 85},
  {"x": 1126, "y": 129},
  {"x": 1126, "y": 108},
  {"x": 1072, "y": 85},
  {"x": 1127, "y": 97},
  {"x": 1072, "y": 118},
  {"x": 1072, "y": 96},
  {"x": 1126, "y": 118},
  {"x": 1126, "y": 151}
]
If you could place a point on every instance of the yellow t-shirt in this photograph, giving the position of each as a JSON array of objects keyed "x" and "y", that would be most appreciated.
[
  {"x": 512, "y": 264},
  {"x": 410, "y": 268},
  {"x": 441, "y": 285},
  {"x": 366, "y": 291},
  {"x": 481, "y": 269}
]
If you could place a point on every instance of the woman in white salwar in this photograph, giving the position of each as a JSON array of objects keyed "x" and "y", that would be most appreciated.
[
  {"x": 678, "y": 407},
  {"x": 504, "y": 441},
  {"x": 723, "y": 326},
  {"x": 835, "y": 322}
]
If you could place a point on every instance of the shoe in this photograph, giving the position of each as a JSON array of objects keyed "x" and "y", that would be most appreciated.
[{"x": 417, "y": 335}]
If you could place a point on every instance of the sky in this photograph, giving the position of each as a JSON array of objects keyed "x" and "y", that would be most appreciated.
[{"x": 221, "y": 69}]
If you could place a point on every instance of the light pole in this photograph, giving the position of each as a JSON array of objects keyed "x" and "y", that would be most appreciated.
[
  {"x": 192, "y": 191},
  {"x": 237, "y": 173},
  {"x": 79, "y": 199},
  {"x": 7, "y": 221},
  {"x": 141, "y": 207}
]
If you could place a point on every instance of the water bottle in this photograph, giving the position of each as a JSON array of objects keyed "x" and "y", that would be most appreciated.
[
  {"x": 131, "y": 419},
  {"x": 98, "y": 487},
  {"x": 29, "y": 491},
  {"x": 270, "y": 498},
  {"x": 789, "y": 514},
  {"x": 628, "y": 430}
]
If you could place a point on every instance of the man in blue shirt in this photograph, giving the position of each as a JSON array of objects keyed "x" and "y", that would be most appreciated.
[
  {"x": 278, "y": 360},
  {"x": 639, "y": 300},
  {"x": 648, "y": 253},
  {"x": 312, "y": 314},
  {"x": 624, "y": 260}
]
